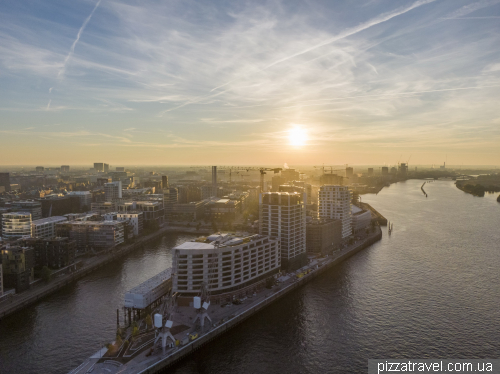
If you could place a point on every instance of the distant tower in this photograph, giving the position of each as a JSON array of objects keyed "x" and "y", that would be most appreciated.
[
  {"x": 164, "y": 181},
  {"x": 214, "y": 181}
]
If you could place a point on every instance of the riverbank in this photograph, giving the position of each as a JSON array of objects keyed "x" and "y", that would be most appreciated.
[{"x": 84, "y": 267}]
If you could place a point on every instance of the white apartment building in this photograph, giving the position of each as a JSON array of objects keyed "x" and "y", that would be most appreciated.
[
  {"x": 282, "y": 216},
  {"x": 225, "y": 263},
  {"x": 16, "y": 225},
  {"x": 136, "y": 219},
  {"x": 46, "y": 227},
  {"x": 84, "y": 196},
  {"x": 112, "y": 191},
  {"x": 334, "y": 202}
]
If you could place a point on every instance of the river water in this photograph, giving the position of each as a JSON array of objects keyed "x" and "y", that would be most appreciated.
[{"x": 430, "y": 290}]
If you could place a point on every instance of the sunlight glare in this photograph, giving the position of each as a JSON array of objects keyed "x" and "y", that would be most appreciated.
[{"x": 297, "y": 136}]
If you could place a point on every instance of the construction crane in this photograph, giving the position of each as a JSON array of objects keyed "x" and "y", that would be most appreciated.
[
  {"x": 330, "y": 167},
  {"x": 262, "y": 173}
]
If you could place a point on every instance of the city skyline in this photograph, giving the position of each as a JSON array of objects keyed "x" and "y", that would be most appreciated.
[{"x": 255, "y": 83}]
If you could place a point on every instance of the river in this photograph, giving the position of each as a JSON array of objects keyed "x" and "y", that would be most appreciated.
[{"x": 430, "y": 290}]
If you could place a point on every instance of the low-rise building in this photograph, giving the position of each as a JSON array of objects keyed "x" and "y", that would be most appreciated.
[
  {"x": 45, "y": 227},
  {"x": 361, "y": 219}
]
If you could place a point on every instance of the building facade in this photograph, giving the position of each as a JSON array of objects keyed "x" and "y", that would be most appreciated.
[
  {"x": 16, "y": 225},
  {"x": 282, "y": 216},
  {"x": 45, "y": 227},
  {"x": 136, "y": 219},
  {"x": 84, "y": 196},
  {"x": 226, "y": 264},
  {"x": 323, "y": 237},
  {"x": 112, "y": 191},
  {"x": 29, "y": 206},
  {"x": 17, "y": 266},
  {"x": 334, "y": 202},
  {"x": 92, "y": 235},
  {"x": 5, "y": 181},
  {"x": 54, "y": 253}
]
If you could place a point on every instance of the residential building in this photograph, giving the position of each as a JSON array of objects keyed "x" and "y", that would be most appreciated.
[
  {"x": 39, "y": 169},
  {"x": 113, "y": 191},
  {"x": 17, "y": 267},
  {"x": 323, "y": 237},
  {"x": 135, "y": 219},
  {"x": 282, "y": 216},
  {"x": 28, "y": 206},
  {"x": 349, "y": 172},
  {"x": 103, "y": 207},
  {"x": 335, "y": 203},
  {"x": 153, "y": 210},
  {"x": 45, "y": 227},
  {"x": 2, "y": 211},
  {"x": 65, "y": 169},
  {"x": 16, "y": 225},
  {"x": 189, "y": 211},
  {"x": 229, "y": 266},
  {"x": 54, "y": 253},
  {"x": 222, "y": 208}
]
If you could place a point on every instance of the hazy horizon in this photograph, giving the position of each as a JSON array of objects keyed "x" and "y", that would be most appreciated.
[{"x": 260, "y": 83}]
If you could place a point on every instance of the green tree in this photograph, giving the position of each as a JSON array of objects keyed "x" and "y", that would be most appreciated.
[
  {"x": 135, "y": 332},
  {"x": 46, "y": 274},
  {"x": 119, "y": 341}
]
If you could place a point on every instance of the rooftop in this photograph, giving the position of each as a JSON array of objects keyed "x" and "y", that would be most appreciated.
[
  {"x": 49, "y": 220},
  {"x": 152, "y": 283}
]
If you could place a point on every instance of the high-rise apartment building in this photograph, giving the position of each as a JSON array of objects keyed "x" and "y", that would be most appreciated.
[
  {"x": 112, "y": 191},
  {"x": 5, "y": 181},
  {"x": 16, "y": 225},
  {"x": 335, "y": 203},
  {"x": 282, "y": 215}
]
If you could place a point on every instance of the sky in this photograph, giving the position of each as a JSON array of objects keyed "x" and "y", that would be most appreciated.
[{"x": 249, "y": 82}]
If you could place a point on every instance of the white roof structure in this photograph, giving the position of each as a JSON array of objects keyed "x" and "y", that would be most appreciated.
[{"x": 149, "y": 291}]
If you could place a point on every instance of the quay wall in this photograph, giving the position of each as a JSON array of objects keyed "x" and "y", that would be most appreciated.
[
  {"x": 382, "y": 221},
  {"x": 163, "y": 365}
]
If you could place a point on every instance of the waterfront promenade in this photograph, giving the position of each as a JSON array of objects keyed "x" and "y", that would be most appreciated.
[{"x": 85, "y": 266}]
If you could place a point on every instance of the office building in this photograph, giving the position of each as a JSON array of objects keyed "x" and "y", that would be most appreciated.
[
  {"x": 361, "y": 219},
  {"x": 92, "y": 235},
  {"x": 214, "y": 181},
  {"x": 17, "y": 267},
  {"x": 85, "y": 198},
  {"x": 103, "y": 207},
  {"x": 335, "y": 203},
  {"x": 112, "y": 191},
  {"x": 28, "y": 206},
  {"x": 45, "y": 227},
  {"x": 153, "y": 210},
  {"x": 164, "y": 182},
  {"x": 16, "y": 225},
  {"x": 101, "y": 167},
  {"x": 323, "y": 237},
  {"x": 282, "y": 216},
  {"x": 5, "y": 181},
  {"x": 65, "y": 169},
  {"x": 54, "y": 253},
  {"x": 230, "y": 266}
]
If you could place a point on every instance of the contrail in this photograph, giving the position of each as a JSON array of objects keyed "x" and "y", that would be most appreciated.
[
  {"x": 72, "y": 49},
  {"x": 373, "y": 22}
]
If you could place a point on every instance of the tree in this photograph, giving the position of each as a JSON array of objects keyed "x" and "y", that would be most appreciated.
[
  {"x": 46, "y": 274},
  {"x": 119, "y": 341},
  {"x": 135, "y": 332},
  {"x": 149, "y": 321}
]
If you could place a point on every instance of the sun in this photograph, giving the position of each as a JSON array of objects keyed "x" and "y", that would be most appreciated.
[{"x": 297, "y": 136}]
